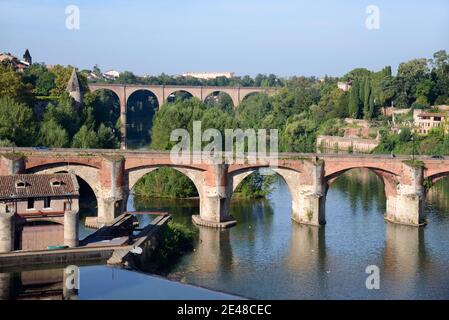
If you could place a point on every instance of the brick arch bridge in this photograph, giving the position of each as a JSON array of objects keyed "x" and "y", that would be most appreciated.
[
  {"x": 113, "y": 173},
  {"x": 162, "y": 92}
]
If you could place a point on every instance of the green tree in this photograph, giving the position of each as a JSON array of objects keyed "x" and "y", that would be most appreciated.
[
  {"x": 106, "y": 137},
  {"x": 53, "y": 135},
  {"x": 40, "y": 78},
  {"x": 17, "y": 122},
  {"x": 355, "y": 104},
  {"x": 366, "y": 99},
  {"x": 165, "y": 183},
  {"x": 12, "y": 85},
  {"x": 62, "y": 76},
  {"x": 85, "y": 138}
]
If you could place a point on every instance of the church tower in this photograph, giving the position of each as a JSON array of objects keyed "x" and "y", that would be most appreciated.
[
  {"x": 74, "y": 88},
  {"x": 27, "y": 57}
]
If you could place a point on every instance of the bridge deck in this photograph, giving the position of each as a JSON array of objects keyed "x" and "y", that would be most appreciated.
[{"x": 61, "y": 152}]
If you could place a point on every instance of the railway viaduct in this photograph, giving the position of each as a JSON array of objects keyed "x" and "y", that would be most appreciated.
[{"x": 162, "y": 92}]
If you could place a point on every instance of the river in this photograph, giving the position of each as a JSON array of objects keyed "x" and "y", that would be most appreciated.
[{"x": 268, "y": 256}]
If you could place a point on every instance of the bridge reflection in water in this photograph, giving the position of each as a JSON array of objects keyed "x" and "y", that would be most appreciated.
[
  {"x": 45, "y": 284},
  {"x": 267, "y": 256}
]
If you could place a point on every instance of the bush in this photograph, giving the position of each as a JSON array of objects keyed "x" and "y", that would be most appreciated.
[
  {"x": 255, "y": 186},
  {"x": 165, "y": 183},
  {"x": 174, "y": 241}
]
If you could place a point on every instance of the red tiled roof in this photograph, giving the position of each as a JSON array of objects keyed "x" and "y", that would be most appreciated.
[{"x": 38, "y": 185}]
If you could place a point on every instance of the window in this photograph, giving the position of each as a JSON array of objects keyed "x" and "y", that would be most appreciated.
[
  {"x": 20, "y": 184},
  {"x": 30, "y": 204},
  {"x": 56, "y": 183},
  {"x": 47, "y": 202}
]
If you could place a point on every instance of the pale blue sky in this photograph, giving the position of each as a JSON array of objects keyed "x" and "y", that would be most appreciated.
[{"x": 284, "y": 37}]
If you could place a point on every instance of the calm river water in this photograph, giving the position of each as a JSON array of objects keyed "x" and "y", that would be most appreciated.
[{"x": 267, "y": 256}]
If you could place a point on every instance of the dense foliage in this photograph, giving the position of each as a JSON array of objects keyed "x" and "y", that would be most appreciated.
[
  {"x": 435, "y": 143},
  {"x": 165, "y": 183},
  {"x": 36, "y": 110}
]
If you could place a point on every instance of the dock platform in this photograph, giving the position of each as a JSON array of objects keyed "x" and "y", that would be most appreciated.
[{"x": 108, "y": 244}]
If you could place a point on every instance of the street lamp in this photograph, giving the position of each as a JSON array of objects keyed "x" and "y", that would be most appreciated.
[{"x": 413, "y": 147}]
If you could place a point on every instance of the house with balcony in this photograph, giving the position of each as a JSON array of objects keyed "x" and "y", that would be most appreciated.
[{"x": 424, "y": 121}]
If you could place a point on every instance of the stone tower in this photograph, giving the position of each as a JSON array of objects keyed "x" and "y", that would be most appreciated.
[
  {"x": 74, "y": 88},
  {"x": 27, "y": 57}
]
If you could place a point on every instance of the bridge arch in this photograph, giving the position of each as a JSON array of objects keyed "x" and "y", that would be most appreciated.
[
  {"x": 119, "y": 92},
  {"x": 106, "y": 107},
  {"x": 250, "y": 94},
  {"x": 234, "y": 93},
  {"x": 141, "y": 106},
  {"x": 219, "y": 97},
  {"x": 133, "y": 175},
  {"x": 389, "y": 178},
  {"x": 292, "y": 178},
  {"x": 435, "y": 177},
  {"x": 182, "y": 94}
]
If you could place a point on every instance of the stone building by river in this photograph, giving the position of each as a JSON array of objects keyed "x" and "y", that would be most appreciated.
[{"x": 38, "y": 210}]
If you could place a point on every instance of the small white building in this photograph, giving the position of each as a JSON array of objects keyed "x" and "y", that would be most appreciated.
[
  {"x": 208, "y": 75},
  {"x": 345, "y": 86},
  {"x": 111, "y": 74}
]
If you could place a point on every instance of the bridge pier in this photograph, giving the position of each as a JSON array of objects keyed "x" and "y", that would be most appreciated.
[
  {"x": 11, "y": 164},
  {"x": 111, "y": 200},
  {"x": 406, "y": 204},
  {"x": 71, "y": 229},
  {"x": 123, "y": 124},
  {"x": 214, "y": 199},
  {"x": 308, "y": 202}
]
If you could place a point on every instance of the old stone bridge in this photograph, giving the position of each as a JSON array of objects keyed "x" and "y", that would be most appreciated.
[
  {"x": 162, "y": 92},
  {"x": 113, "y": 173}
]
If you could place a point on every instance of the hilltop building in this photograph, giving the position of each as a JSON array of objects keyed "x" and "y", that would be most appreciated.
[
  {"x": 18, "y": 65},
  {"x": 345, "y": 86},
  {"x": 27, "y": 57},
  {"x": 208, "y": 75},
  {"x": 111, "y": 74},
  {"x": 426, "y": 121}
]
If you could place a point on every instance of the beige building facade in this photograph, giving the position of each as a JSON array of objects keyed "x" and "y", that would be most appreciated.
[{"x": 423, "y": 121}]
